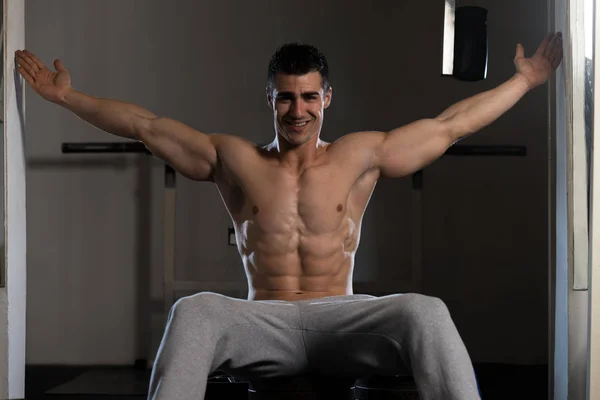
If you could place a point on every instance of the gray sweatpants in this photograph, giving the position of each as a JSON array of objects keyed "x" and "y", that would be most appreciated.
[{"x": 350, "y": 336}]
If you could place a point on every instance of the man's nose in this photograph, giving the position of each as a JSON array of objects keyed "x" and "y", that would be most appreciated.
[{"x": 297, "y": 109}]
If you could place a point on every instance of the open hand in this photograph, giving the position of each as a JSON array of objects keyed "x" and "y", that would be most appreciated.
[
  {"x": 52, "y": 86},
  {"x": 537, "y": 69}
]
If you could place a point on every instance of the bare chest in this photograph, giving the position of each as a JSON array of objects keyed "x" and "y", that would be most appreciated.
[{"x": 314, "y": 203}]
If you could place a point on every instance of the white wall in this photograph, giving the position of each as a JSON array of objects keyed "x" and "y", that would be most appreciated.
[
  {"x": 95, "y": 236},
  {"x": 13, "y": 295}
]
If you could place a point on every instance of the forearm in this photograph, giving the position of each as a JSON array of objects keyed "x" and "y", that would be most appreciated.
[
  {"x": 472, "y": 114},
  {"x": 119, "y": 118}
]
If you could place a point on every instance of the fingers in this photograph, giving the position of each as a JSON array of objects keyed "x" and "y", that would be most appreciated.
[
  {"x": 543, "y": 48},
  {"x": 556, "y": 55},
  {"x": 28, "y": 78},
  {"x": 34, "y": 59},
  {"x": 555, "y": 43},
  {"x": 555, "y": 51},
  {"x": 26, "y": 64},
  {"x": 59, "y": 65},
  {"x": 520, "y": 51},
  {"x": 29, "y": 62},
  {"x": 24, "y": 59}
]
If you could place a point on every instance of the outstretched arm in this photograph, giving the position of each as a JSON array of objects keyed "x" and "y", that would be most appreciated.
[
  {"x": 190, "y": 152},
  {"x": 410, "y": 148}
]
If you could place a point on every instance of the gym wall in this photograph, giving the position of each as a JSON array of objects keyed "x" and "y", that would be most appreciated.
[{"x": 95, "y": 222}]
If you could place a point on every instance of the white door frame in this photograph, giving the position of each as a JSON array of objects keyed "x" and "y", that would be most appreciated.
[
  {"x": 13, "y": 294},
  {"x": 594, "y": 305},
  {"x": 574, "y": 252}
]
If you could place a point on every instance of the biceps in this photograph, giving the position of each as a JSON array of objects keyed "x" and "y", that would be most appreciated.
[
  {"x": 410, "y": 148},
  {"x": 188, "y": 151}
]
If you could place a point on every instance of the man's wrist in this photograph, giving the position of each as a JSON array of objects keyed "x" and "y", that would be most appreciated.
[
  {"x": 67, "y": 98},
  {"x": 522, "y": 82}
]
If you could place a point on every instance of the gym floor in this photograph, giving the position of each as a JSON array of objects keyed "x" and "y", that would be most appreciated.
[{"x": 496, "y": 381}]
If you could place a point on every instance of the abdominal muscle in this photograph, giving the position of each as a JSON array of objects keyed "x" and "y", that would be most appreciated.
[
  {"x": 295, "y": 266},
  {"x": 295, "y": 285}
]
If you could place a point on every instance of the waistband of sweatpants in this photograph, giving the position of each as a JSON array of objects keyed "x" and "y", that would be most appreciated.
[{"x": 327, "y": 299}]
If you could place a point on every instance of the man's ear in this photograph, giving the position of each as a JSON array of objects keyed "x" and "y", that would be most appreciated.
[
  {"x": 269, "y": 93},
  {"x": 328, "y": 96}
]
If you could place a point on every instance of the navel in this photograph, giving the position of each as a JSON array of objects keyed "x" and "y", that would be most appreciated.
[
  {"x": 340, "y": 207},
  {"x": 254, "y": 210}
]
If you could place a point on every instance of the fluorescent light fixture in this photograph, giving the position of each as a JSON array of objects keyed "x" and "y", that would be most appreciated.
[{"x": 448, "y": 55}]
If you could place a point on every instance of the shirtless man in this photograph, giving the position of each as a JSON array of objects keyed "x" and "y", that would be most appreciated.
[{"x": 297, "y": 206}]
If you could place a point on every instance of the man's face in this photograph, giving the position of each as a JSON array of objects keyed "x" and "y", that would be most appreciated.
[{"x": 298, "y": 102}]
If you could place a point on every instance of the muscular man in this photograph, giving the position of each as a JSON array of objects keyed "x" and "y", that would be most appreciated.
[{"x": 297, "y": 206}]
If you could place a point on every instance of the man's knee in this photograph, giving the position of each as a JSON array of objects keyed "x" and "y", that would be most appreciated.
[
  {"x": 417, "y": 309},
  {"x": 203, "y": 305}
]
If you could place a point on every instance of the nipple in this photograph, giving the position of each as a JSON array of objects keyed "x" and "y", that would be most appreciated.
[
  {"x": 340, "y": 207},
  {"x": 254, "y": 210}
]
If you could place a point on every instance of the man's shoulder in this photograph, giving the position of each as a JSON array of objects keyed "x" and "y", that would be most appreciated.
[
  {"x": 355, "y": 151},
  {"x": 228, "y": 140},
  {"x": 236, "y": 150},
  {"x": 228, "y": 145},
  {"x": 357, "y": 142}
]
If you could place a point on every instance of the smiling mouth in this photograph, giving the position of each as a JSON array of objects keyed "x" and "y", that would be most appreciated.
[{"x": 298, "y": 124}]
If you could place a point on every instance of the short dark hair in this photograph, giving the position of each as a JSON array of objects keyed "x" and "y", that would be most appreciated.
[{"x": 298, "y": 59}]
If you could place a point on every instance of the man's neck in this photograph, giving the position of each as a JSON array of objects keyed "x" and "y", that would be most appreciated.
[{"x": 300, "y": 157}]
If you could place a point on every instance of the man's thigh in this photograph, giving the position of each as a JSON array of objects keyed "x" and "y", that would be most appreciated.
[
  {"x": 261, "y": 339},
  {"x": 358, "y": 335}
]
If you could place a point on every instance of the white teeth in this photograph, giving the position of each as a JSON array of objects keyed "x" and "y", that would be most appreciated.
[{"x": 301, "y": 124}]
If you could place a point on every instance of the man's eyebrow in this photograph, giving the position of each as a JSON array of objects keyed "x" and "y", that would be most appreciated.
[{"x": 291, "y": 94}]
